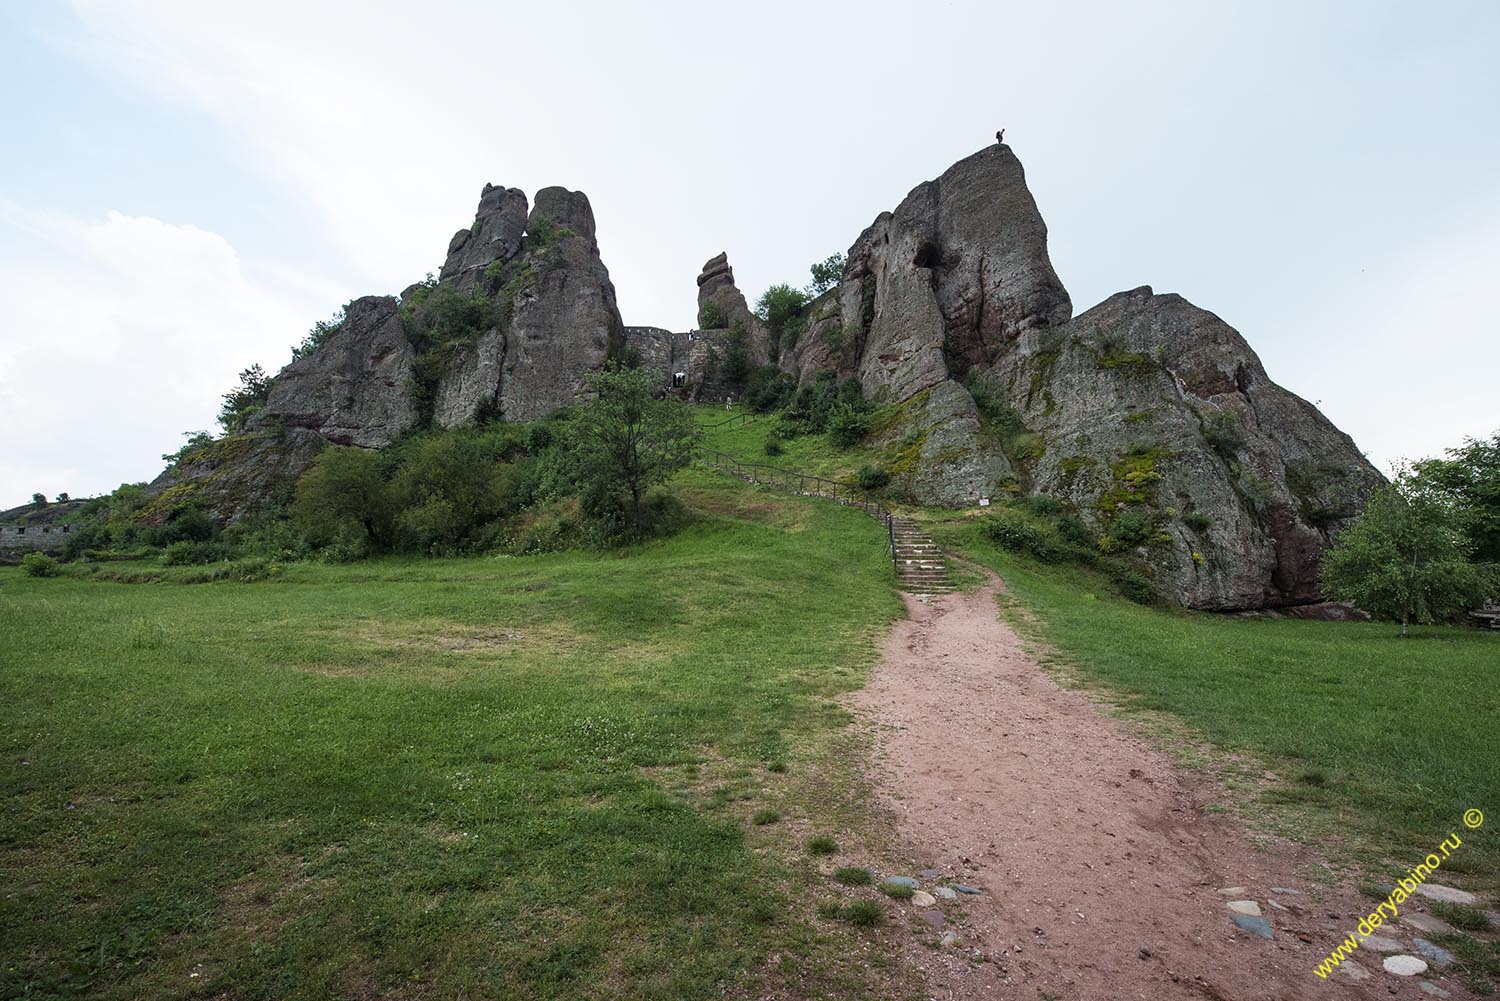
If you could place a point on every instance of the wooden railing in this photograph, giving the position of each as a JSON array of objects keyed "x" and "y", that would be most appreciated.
[
  {"x": 806, "y": 485},
  {"x": 740, "y": 418}
]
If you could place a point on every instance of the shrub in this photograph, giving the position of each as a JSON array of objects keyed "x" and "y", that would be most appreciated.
[
  {"x": 764, "y": 817},
  {"x": 773, "y": 446},
  {"x": 822, "y": 844},
  {"x": 1130, "y": 529},
  {"x": 847, "y": 427},
  {"x": 711, "y": 317},
  {"x": 897, "y": 891},
  {"x": 1132, "y": 584},
  {"x": 864, "y": 913},
  {"x": 1222, "y": 432},
  {"x": 184, "y": 553},
  {"x": 38, "y": 565},
  {"x": 768, "y": 389},
  {"x": 1013, "y": 531},
  {"x": 853, "y": 875},
  {"x": 873, "y": 477},
  {"x": 1197, "y": 521}
]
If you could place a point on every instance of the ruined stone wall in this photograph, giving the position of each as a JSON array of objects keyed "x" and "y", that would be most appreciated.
[{"x": 30, "y": 538}]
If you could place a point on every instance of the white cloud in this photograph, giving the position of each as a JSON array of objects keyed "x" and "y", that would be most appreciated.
[{"x": 123, "y": 332}]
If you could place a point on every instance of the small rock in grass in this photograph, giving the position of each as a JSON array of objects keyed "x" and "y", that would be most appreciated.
[
  {"x": 1439, "y": 957},
  {"x": 1433, "y": 989},
  {"x": 961, "y": 888},
  {"x": 1279, "y": 907},
  {"x": 1233, "y": 891},
  {"x": 1427, "y": 923},
  {"x": 1287, "y": 890},
  {"x": 1253, "y": 925},
  {"x": 949, "y": 938},
  {"x": 1448, "y": 894},
  {"x": 1404, "y": 966},
  {"x": 902, "y": 881},
  {"x": 928, "y": 874},
  {"x": 934, "y": 918},
  {"x": 946, "y": 892},
  {"x": 921, "y": 898},
  {"x": 1249, "y": 907}
]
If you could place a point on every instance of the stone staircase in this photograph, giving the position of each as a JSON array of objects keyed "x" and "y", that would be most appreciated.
[{"x": 920, "y": 566}]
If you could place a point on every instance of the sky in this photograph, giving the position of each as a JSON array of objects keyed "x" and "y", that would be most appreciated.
[{"x": 186, "y": 187}]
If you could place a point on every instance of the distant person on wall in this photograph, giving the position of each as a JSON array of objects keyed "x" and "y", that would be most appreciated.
[
  {"x": 1000, "y": 137},
  {"x": 728, "y": 403}
]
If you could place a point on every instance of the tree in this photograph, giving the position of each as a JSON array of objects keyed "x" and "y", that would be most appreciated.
[
  {"x": 826, "y": 274},
  {"x": 345, "y": 487},
  {"x": 243, "y": 401},
  {"x": 63, "y": 497},
  {"x": 1405, "y": 558},
  {"x": 1469, "y": 478},
  {"x": 39, "y": 500},
  {"x": 320, "y": 332},
  {"x": 625, "y": 441},
  {"x": 780, "y": 306}
]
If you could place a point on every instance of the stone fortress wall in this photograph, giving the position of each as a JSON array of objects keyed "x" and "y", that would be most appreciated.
[
  {"x": 33, "y": 537},
  {"x": 667, "y": 354}
]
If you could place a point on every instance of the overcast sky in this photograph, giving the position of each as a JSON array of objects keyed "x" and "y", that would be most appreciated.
[{"x": 187, "y": 186}]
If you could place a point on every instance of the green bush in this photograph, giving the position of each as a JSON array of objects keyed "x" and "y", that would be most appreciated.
[
  {"x": 38, "y": 565},
  {"x": 873, "y": 477},
  {"x": 847, "y": 427},
  {"x": 1130, "y": 529},
  {"x": 1132, "y": 583},
  {"x": 182, "y": 554},
  {"x": 711, "y": 317},
  {"x": 768, "y": 389},
  {"x": 1222, "y": 432},
  {"x": 773, "y": 446},
  {"x": 1197, "y": 521},
  {"x": 1014, "y": 531}
]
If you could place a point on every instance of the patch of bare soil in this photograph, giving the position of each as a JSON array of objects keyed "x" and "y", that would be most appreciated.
[{"x": 1099, "y": 868}]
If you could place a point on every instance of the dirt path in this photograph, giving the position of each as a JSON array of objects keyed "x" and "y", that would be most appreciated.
[{"x": 1101, "y": 874}]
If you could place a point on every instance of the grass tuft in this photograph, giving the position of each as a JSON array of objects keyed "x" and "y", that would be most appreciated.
[
  {"x": 822, "y": 844},
  {"x": 853, "y": 875}
]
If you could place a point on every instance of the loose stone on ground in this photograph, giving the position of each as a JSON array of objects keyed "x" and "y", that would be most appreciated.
[
  {"x": 1248, "y": 907},
  {"x": 1448, "y": 894},
  {"x": 1435, "y": 954},
  {"x": 1404, "y": 966},
  {"x": 1253, "y": 925}
]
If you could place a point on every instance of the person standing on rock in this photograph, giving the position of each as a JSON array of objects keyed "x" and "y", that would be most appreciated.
[{"x": 1000, "y": 137}]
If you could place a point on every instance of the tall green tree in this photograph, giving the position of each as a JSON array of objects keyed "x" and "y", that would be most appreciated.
[
  {"x": 1470, "y": 479},
  {"x": 626, "y": 441},
  {"x": 780, "y": 306},
  {"x": 826, "y": 274},
  {"x": 245, "y": 399},
  {"x": 1406, "y": 558}
]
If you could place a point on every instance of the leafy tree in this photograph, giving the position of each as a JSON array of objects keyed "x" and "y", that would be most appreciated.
[
  {"x": 447, "y": 488},
  {"x": 737, "y": 361},
  {"x": 63, "y": 498},
  {"x": 39, "y": 500},
  {"x": 345, "y": 487},
  {"x": 1469, "y": 478},
  {"x": 1405, "y": 558},
  {"x": 195, "y": 440},
  {"x": 780, "y": 306},
  {"x": 826, "y": 274},
  {"x": 243, "y": 401},
  {"x": 320, "y": 332},
  {"x": 625, "y": 441},
  {"x": 847, "y": 426}
]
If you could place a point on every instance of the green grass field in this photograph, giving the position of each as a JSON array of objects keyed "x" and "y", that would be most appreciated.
[
  {"x": 600, "y": 773},
  {"x": 1381, "y": 743},
  {"x": 469, "y": 778}
]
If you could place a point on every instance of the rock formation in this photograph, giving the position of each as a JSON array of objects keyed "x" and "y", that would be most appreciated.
[
  {"x": 1151, "y": 418},
  {"x": 718, "y": 293},
  {"x": 353, "y": 390}
]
